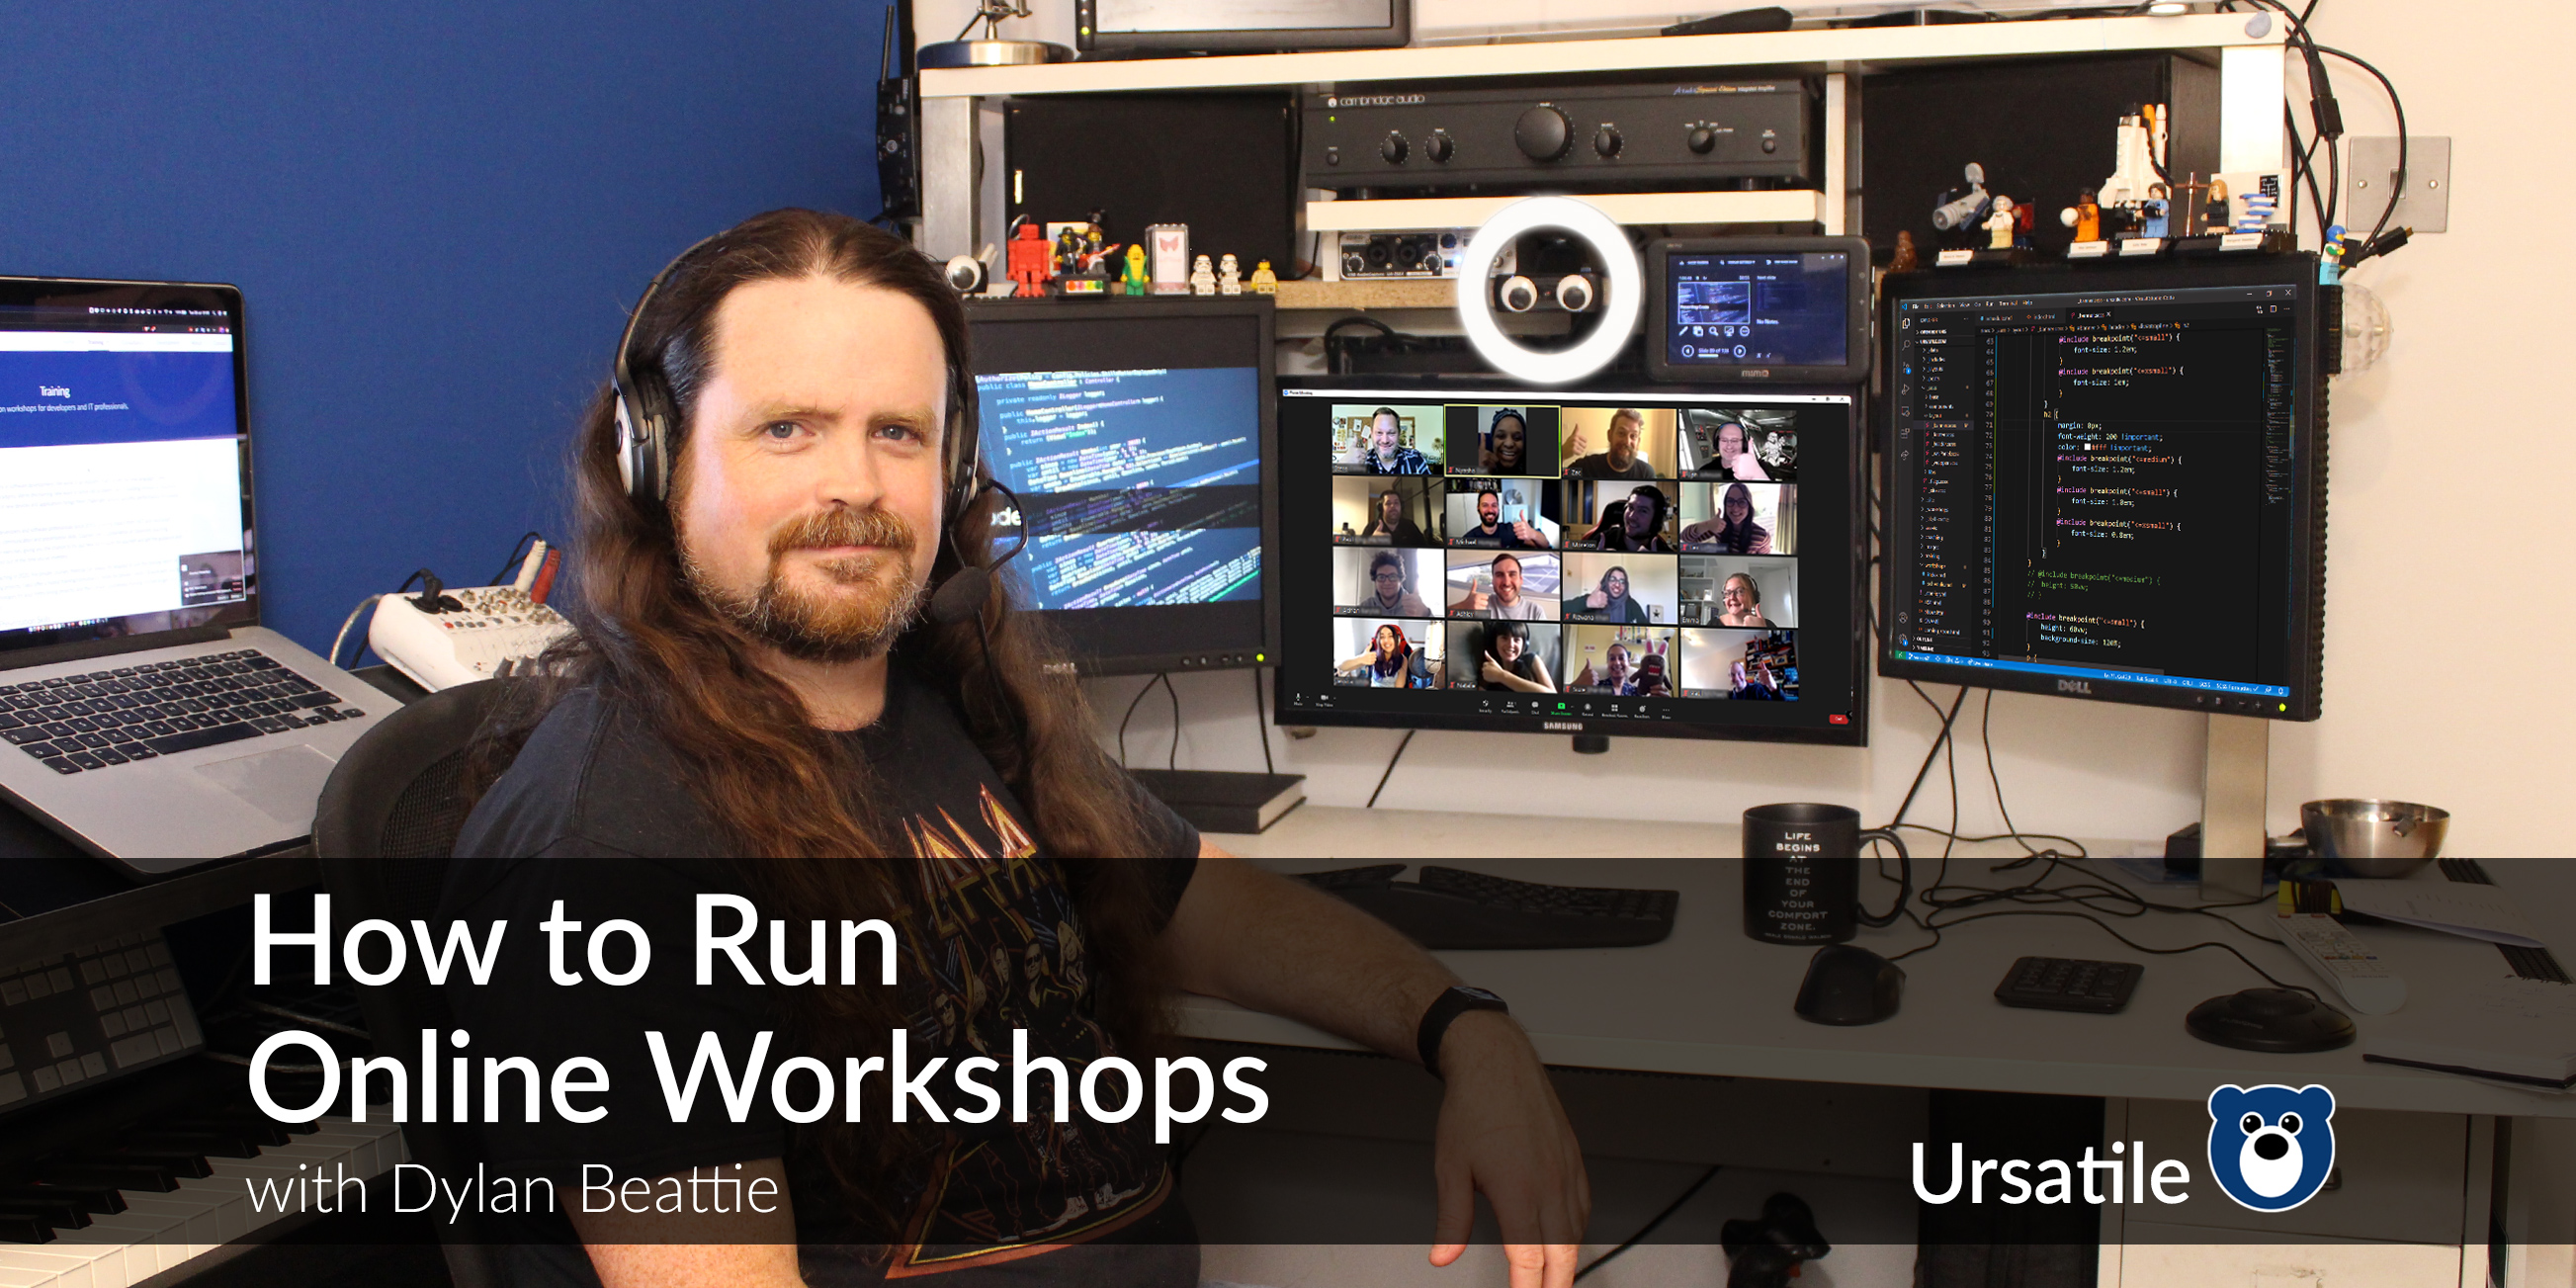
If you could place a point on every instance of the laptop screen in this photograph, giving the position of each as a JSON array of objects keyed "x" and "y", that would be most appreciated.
[{"x": 124, "y": 462}]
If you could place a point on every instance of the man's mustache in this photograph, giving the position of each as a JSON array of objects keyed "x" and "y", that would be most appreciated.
[{"x": 844, "y": 527}]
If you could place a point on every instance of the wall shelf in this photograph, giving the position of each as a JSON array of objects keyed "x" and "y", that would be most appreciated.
[
  {"x": 1817, "y": 50},
  {"x": 1787, "y": 206}
]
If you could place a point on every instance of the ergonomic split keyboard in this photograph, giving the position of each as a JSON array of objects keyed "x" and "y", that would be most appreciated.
[
  {"x": 81, "y": 723},
  {"x": 1455, "y": 908}
]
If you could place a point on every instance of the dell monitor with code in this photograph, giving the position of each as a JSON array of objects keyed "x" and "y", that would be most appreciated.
[
  {"x": 1136, "y": 436},
  {"x": 1603, "y": 560},
  {"x": 2108, "y": 483}
]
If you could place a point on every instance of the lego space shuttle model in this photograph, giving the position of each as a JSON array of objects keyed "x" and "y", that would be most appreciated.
[{"x": 2140, "y": 157}]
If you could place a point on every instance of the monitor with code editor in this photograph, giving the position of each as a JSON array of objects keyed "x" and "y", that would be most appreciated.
[
  {"x": 1135, "y": 434},
  {"x": 2109, "y": 483}
]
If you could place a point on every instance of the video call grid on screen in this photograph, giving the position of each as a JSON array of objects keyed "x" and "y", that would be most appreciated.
[
  {"x": 2103, "y": 488},
  {"x": 1648, "y": 556}
]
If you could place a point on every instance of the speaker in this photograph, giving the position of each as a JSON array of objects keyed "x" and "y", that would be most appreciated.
[
  {"x": 2044, "y": 129},
  {"x": 1224, "y": 164}
]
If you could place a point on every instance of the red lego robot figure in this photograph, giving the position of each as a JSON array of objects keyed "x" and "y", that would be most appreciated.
[{"x": 1032, "y": 260}]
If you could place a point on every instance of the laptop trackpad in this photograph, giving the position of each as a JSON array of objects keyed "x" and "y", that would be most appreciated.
[{"x": 283, "y": 784}]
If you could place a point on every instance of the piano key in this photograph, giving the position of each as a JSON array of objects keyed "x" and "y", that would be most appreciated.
[
  {"x": 60, "y": 1213},
  {"x": 66, "y": 1268},
  {"x": 91, "y": 1198},
  {"x": 204, "y": 1143}
]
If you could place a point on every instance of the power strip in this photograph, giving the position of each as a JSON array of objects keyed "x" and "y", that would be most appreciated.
[{"x": 488, "y": 631}]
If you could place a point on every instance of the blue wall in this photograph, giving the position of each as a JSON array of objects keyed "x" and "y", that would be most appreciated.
[{"x": 437, "y": 216}]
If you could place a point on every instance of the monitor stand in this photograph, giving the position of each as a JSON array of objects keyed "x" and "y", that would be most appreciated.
[{"x": 2232, "y": 800}]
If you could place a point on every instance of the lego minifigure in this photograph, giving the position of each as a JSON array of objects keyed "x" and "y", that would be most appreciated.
[
  {"x": 1229, "y": 276},
  {"x": 1202, "y": 277},
  {"x": 2085, "y": 217},
  {"x": 2215, "y": 216},
  {"x": 2154, "y": 214},
  {"x": 1907, "y": 259},
  {"x": 1136, "y": 269},
  {"x": 1032, "y": 261},
  {"x": 1999, "y": 225},
  {"x": 1263, "y": 281}
]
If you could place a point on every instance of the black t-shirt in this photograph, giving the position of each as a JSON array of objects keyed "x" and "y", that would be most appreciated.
[{"x": 988, "y": 945}]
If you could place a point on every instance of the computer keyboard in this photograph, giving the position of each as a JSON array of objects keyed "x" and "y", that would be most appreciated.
[
  {"x": 81, "y": 723},
  {"x": 1454, "y": 908}
]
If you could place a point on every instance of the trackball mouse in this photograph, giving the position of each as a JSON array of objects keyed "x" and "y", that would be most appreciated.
[{"x": 1850, "y": 986}]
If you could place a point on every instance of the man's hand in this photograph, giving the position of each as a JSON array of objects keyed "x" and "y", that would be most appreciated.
[
  {"x": 1522, "y": 532},
  {"x": 1579, "y": 446},
  {"x": 1503, "y": 1133},
  {"x": 1476, "y": 600}
]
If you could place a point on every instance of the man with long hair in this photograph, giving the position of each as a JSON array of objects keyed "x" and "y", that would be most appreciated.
[{"x": 756, "y": 676}]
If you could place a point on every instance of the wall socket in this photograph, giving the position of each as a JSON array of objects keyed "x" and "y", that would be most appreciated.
[{"x": 2370, "y": 167}]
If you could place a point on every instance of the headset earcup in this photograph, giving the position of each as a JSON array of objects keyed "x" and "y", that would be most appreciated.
[{"x": 626, "y": 463}]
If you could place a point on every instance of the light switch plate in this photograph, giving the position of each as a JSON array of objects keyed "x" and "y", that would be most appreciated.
[{"x": 2370, "y": 166}]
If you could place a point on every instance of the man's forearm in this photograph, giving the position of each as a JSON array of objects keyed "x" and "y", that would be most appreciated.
[{"x": 1279, "y": 945}]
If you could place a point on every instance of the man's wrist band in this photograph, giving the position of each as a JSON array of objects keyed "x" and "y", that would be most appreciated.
[{"x": 1445, "y": 1010}]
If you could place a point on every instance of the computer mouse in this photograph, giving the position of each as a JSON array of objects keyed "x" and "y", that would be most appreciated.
[
  {"x": 2271, "y": 1019},
  {"x": 1849, "y": 986}
]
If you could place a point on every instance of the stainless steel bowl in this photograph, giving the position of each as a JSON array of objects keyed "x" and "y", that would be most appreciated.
[{"x": 2375, "y": 838}]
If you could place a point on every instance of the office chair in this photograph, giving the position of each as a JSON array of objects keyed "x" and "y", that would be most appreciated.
[{"x": 388, "y": 818}]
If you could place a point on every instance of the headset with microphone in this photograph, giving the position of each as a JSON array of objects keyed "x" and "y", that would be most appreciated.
[{"x": 648, "y": 420}]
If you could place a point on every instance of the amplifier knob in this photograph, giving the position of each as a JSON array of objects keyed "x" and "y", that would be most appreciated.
[
  {"x": 1394, "y": 149},
  {"x": 1606, "y": 141},
  {"x": 1543, "y": 133},
  {"x": 1702, "y": 140},
  {"x": 1438, "y": 147}
]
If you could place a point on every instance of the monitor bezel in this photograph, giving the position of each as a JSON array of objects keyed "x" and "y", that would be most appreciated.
[
  {"x": 21, "y": 647},
  {"x": 1056, "y": 309},
  {"x": 1857, "y": 315},
  {"x": 2305, "y": 647},
  {"x": 1453, "y": 386}
]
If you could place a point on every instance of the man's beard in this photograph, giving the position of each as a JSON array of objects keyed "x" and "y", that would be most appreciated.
[{"x": 815, "y": 629}]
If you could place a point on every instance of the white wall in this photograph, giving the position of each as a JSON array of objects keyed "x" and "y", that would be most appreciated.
[{"x": 2448, "y": 676}]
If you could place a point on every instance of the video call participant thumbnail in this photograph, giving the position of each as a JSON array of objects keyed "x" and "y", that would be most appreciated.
[
  {"x": 1498, "y": 514},
  {"x": 1387, "y": 440},
  {"x": 1387, "y": 655},
  {"x": 1743, "y": 665},
  {"x": 1621, "y": 590},
  {"x": 1384, "y": 583},
  {"x": 1621, "y": 661},
  {"x": 1501, "y": 657},
  {"x": 1636, "y": 518},
  {"x": 1738, "y": 518},
  {"x": 1503, "y": 440},
  {"x": 1382, "y": 512},
  {"x": 1623, "y": 443},
  {"x": 1509, "y": 587},
  {"x": 1749, "y": 446}
]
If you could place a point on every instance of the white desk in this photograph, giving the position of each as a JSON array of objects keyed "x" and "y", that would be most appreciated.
[{"x": 1710, "y": 1001}]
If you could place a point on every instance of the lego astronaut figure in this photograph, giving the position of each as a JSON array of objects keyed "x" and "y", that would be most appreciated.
[{"x": 1999, "y": 225}]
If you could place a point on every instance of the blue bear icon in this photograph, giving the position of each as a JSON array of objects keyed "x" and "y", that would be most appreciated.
[{"x": 2270, "y": 1147}]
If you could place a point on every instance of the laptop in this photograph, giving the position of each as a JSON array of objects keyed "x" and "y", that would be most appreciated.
[{"x": 145, "y": 714}]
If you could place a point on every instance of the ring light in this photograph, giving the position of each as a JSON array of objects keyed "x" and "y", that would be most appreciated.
[{"x": 1623, "y": 293}]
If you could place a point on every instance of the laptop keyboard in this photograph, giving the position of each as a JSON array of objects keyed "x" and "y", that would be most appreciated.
[{"x": 82, "y": 723}]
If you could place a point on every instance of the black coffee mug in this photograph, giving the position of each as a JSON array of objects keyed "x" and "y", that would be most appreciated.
[{"x": 1802, "y": 874}]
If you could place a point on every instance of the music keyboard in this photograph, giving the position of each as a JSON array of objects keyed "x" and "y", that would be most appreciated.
[{"x": 161, "y": 1230}]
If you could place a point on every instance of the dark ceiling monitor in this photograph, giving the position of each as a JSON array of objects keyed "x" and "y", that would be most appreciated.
[
  {"x": 1138, "y": 436},
  {"x": 1781, "y": 310},
  {"x": 2108, "y": 483},
  {"x": 1601, "y": 560}
]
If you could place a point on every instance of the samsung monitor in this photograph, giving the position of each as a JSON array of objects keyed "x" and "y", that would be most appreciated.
[
  {"x": 1137, "y": 435},
  {"x": 1595, "y": 561},
  {"x": 125, "y": 486},
  {"x": 2108, "y": 483},
  {"x": 1779, "y": 309}
]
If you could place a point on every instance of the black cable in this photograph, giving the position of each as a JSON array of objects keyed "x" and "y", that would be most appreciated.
[
  {"x": 1172, "y": 761},
  {"x": 515, "y": 547},
  {"x": 1660, "y": 1218},
  {"x": 1939, "y": 741},
  {"x": 2397, "y": 184},
  {"x": 1261, "y": 723},
  {"x": 1390, "y": 767},
  {"x": 1132, "y": 704}
]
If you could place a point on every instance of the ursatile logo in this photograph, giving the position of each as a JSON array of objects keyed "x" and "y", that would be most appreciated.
[{"x": 2271, "y": 1148}]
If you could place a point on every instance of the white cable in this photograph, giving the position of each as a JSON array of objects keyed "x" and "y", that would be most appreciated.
[{"x": 343, "y": 637}]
